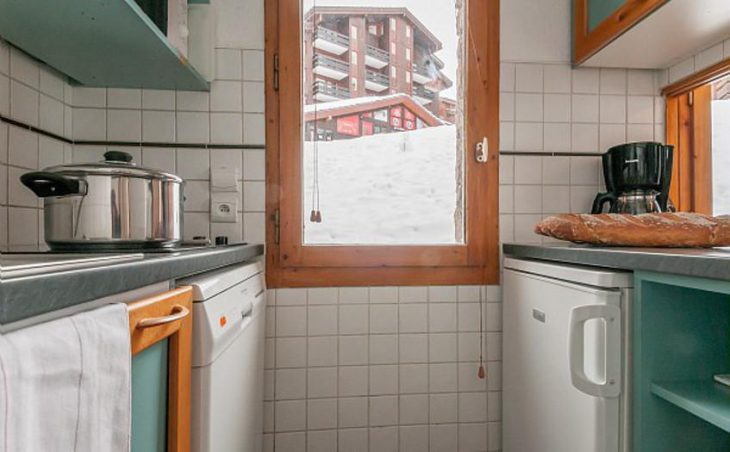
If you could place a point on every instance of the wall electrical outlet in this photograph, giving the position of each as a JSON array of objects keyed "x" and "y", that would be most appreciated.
[{"x": 223, "y": 208}]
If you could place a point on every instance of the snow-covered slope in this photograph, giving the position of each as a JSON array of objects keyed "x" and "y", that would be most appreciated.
[{"x": 397, "y": 188}]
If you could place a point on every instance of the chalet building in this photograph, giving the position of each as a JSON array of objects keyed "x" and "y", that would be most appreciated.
[
  {"x": 353, "y": 52},
  {"x": 363, "y": 116}
]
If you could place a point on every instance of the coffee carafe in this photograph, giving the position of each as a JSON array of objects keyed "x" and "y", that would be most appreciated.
[{"x": 637, "y": 178}]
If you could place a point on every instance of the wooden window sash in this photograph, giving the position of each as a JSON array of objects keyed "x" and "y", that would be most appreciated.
[
  {"x": 289, "y": 261},
  {"x": 689, "y": 130}
]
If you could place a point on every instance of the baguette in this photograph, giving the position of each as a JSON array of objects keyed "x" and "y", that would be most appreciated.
[{"x": 662, "y": 230}]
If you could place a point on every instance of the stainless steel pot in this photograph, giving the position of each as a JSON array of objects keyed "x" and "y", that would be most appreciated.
[{"x": 110, "y": 205}]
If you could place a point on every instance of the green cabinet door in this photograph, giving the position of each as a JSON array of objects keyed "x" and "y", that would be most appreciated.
[
  {"x": 149, "y": 399},
  {"x": 601, "y": 9}
]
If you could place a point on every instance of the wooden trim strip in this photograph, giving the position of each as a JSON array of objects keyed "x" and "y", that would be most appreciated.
[
  {"x": 701, "y": 136},
  {"x": 703, "y": 77},
  {"x": 157, "y": 306},
  {"x": 587, "y": 43},
  {"x": 382, "y": 276},
  {"x": 180, "y": 380},
  {"x": 374, "y": 256},
  {"x": 672, "y": 138}
]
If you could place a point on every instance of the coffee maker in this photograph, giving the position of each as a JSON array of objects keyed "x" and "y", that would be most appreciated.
[{"x": 637, "y": 177}]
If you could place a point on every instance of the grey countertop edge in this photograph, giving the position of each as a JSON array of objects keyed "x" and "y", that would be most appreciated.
[
  {"x": 21, "y": 298},
  {"x": 710, "y": 263}
]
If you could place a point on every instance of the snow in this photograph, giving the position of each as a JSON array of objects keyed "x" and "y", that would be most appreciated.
[{"x": 397, "y": 188}]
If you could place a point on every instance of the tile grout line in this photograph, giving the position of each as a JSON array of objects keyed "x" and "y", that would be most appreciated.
[{"x": 140, "y": 144}]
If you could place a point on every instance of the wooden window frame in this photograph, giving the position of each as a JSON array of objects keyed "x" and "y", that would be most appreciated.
[
  {"x": 289, "y": 264},
  {"x": 587, "y": 43},
  {"x": 689, "y": 130}
]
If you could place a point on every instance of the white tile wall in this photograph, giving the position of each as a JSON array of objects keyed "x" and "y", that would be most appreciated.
[
  {"x": 694, "y": 63},
  {"x": 35, "y": 94},
  {"x": 385, "y": 367},
  {"x": 552, "y": 108}
]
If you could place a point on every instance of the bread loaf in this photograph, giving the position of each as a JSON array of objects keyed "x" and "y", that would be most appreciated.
[{"x": 666, "y": 230}]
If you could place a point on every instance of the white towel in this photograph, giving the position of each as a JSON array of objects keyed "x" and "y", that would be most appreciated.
[{"x": 65, "y": 385}]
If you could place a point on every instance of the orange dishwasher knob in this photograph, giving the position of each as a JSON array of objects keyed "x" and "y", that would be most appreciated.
[{"x": 222, "y": 321}]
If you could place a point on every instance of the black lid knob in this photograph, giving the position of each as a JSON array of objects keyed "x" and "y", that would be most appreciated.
[
  {"x": 221, "y": 240},
  {"x": 117, "y": 156}
]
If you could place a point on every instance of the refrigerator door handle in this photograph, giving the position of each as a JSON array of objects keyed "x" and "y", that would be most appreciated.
[{"x": 611, "y": 386}]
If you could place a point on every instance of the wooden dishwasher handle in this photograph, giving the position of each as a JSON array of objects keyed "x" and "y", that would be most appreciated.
[{"x": 178, "y": 312}]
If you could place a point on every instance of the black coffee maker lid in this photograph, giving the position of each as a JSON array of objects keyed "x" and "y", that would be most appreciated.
[{"x": 643, "y": 145}]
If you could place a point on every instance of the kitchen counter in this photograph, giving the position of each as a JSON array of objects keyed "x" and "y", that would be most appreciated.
[
  {"x": 704, "y": 263},
  {"x": 28, "y": 296}
]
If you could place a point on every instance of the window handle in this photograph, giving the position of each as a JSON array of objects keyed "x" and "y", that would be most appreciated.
[{"x": 482, "y": 151}]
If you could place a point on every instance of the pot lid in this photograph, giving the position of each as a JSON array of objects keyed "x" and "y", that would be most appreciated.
[{"x": 115, "y": 163}]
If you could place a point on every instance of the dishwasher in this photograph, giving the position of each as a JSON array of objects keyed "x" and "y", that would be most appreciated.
[{"x": 228, "y": 359}]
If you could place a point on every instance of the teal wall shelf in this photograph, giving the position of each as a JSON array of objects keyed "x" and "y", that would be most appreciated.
[
  {"x": 705, "y": 399},
  {"x": 104, "y": 43},
  {"x": 680, "y": 339}
]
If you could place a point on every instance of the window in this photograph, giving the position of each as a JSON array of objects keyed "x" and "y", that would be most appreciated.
[
  {"x": 698, "y": 125},
  {"x": 392, "y": 24},
  {"x": 353, "y": 57},
  {"x": 392, "y": 48},
  {"x": 408, "y": 31},
  {"x": 353, "y": 33},
  {"x": 408, "y": 77},
  {"x": 408, "y": 54},
  {"x": 382, "y": 190}
]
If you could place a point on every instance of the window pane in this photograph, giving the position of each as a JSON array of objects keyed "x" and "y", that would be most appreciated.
[
  {"x": 383, "y": 162},
  {"x": 721, "y": 147}
]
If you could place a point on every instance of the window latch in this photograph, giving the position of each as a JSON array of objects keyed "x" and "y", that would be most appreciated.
[
  {"x": 482, "y": 151},
  {"x": 276, "y": 219}
]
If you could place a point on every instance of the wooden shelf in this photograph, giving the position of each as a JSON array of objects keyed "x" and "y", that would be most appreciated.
[
  {"x": 106, "y": 43},
  {"x": 705, "y": 399}
]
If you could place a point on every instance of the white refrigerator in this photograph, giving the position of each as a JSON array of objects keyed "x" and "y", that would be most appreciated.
[{"x": 565, "y": 367}]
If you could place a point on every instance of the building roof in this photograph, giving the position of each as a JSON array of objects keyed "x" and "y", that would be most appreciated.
[
  {"x": 345, "y": 107},
  {"x": 379, "y": 11}
]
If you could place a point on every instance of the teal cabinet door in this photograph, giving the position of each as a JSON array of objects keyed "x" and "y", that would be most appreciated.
[
  {"x": 598, "y": 10},
  {"x": 161, "y": 335},
  {"x": 597, "y": 23},
  {"x": 149, "y": 399}
]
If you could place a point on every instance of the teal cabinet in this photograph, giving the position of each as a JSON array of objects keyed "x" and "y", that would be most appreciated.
[
  {"x": 600, "y": 10},
  {"x": 681, "y": 338},
  {"x": 98, "y": 43},
  {"x": 597, "y": 23},
  {"x": 149, "y": 399},
  {"x": 161, "y": 333}
]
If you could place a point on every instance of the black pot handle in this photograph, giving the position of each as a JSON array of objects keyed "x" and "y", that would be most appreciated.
[
  {"x": 45, "y": 184},
  {"x": 600, "y": 200},
  {"x": 117, "y": 156}
]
